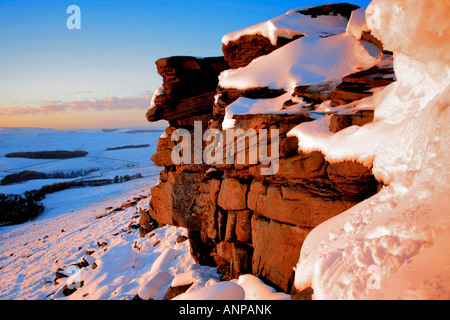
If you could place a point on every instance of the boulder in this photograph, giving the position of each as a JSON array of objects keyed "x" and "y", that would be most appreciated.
[
  {"x": 241, "y": 262},
  {"x": 172, "y": 292},
  {"x": 181, "y": 239},
  {"x": 69, "y": 289},
  {"x": 186, "y": 107},
  {"x": 161, "y": 203},
  {"x": 225, "y": 251},
  {"x": 146, "y": 223},
  {"x": 176, "y": 201},
  {"x": 163, "y": 155},
  {"x": 185, "y": 76},
  {"x": 214, "y": 187},
  {"x": 305, "y": 294},
  {"x": 189, "y": 87},
  {"x": 230, "y": 231},
  {"x": 243, "y": 231},
  {"x": 250, "y": 127},
  {"x": 315, "y": 94},
  {"x": 226, "y": 96},
  {"x": 202, "y": 252},
  {"x": 342, "y": 121},
  {"x": 210, "y": 231},
  {"x": 305, "y": 166},
  {"x": 353, "y": 179},
  {"x": 343, "y": 9},
  {"x": 239, "y": 53},
  {"x": 232, "y": 195}
]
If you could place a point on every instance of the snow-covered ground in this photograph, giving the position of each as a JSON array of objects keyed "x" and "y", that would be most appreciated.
[{"x": 30, "y": 253}]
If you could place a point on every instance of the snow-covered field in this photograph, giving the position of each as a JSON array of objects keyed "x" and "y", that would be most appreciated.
[{"x": 107, "y": 164}]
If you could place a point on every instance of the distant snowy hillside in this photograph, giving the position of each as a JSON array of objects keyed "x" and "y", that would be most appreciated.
[{"x": 105, "y": 164}]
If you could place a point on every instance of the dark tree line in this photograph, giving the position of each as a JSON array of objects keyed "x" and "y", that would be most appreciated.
[
  {"x": 23, "y": 176},
  {"x": 18, "y": 209},
  {"x": 59, "y": 154},
  {"x": 129, "y": 147},
  {"x": 33, "y": 175},
  {"x": 21, "y": 208}
]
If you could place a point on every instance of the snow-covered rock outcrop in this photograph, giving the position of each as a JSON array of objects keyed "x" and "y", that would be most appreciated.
[{"x": 239, "y": 218}]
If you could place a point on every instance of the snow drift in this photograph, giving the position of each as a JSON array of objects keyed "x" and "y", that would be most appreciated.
[{"x": 395, "y": 244}]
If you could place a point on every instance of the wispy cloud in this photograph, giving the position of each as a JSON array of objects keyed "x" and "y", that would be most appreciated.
[{"x": 112, "y": 103}]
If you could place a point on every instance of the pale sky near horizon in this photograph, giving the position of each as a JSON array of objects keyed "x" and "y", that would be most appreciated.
[{"x": 103, "y": 75}]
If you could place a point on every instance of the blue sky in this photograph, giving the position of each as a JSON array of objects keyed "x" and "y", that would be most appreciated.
[{"x": 51, "y": 76}]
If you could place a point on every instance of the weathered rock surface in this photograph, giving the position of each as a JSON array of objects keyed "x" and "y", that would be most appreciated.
[
  {"x": 172, "y": 292},
  {"x": 226, "y": 96},
  {"x": 357, "y": 86},
  {"x": 244, "y": 50},
  {"x": 185, "y": 76},
  {"x": 176, "y": 201},
  {"x": 294, "y": 205},
  {"x": 342, "y": 121},
  {"x": 189, "y": 87},
  {"x": 232, "y": 195},
  {"x": 277, "y": 249}
]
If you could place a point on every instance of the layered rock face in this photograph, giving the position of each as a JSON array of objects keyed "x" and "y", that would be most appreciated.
[{"x": 240, "y": 219}]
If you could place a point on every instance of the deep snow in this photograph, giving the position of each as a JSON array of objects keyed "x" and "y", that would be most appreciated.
[{"x": 395, "y": 244}]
